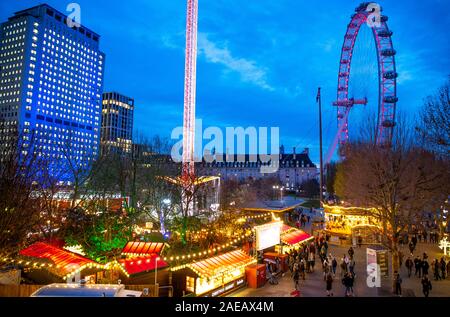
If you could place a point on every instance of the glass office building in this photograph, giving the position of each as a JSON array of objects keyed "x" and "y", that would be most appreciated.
[
  {"x": 117, "y": 123},
  {"x": 51, "y": 82}
]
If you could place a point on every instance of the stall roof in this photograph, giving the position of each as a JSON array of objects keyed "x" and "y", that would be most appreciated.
[
  {"x": 217, "y": 265},
  {"x": 142, "y": 264},
  {"x": 65, "y": 261},
  {"x": 143, "y": 248},
  {"x": 292, "y": 236}
]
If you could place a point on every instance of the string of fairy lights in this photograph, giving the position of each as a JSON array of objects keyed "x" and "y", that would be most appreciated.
[{"x": 188, "y": 256}]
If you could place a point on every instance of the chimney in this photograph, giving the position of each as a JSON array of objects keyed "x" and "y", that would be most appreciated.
[
  {"x": 293, "y": 153},
  {"x": 306, "y": 151},
  {"x": 281, "y": 151}
]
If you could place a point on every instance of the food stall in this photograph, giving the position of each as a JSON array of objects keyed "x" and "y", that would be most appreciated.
[
  {"x": 292, "y": 238},
  {"x": 346, "y": 225},
  {"x": 212, "y": 277},
  {"x": 142, "y": 264}
]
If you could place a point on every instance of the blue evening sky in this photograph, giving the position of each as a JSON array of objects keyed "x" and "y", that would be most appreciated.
[{"x": 260, "y": 62}]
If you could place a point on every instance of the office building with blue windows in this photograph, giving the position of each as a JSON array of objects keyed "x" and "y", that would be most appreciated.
[{"x": 51, "y": 82}]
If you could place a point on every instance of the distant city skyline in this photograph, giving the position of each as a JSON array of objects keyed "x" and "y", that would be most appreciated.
[{"x": 254, "y": 67}]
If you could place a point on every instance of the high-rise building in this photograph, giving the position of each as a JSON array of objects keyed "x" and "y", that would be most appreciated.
[
  {"x": 117, "y": 123},
  {"x": 51, "y": 81}
]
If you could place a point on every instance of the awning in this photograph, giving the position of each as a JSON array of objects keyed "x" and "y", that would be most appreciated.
[
  {"x": 143, "y": 248},
  {"x": 293, "y": 236},
  {"x": 142, "y": 264},
  {"x": 65, "y": 261},
  {"x": 217, "y": 265}
]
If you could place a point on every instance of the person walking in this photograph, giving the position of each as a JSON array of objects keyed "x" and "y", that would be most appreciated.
[
  {"x": 409, "y": 265},
  {"x": 351, "y": 266},
  {"x": 398, "y": 284},
  {"x": 418, "y": 266},
  {"x": 291, "y": 264},
  {"x": 448, "y": 268},
  {"x": 425, "y": 266},
  {"x": 412, "y": 246},
  {"x": 296, "y": 278},
  {"x": 435, "y": 267},
  {"x": 325, "y": 268},
  {"x": 443, "y": 268},
  {"x": 334, "y": 266},
  {"x": 351, "y": 252},
  {"x": 329, "y": 284},
  {"x": 312, "y": 261},
  {"x": 347, "y": 281},
  {"x": 426, "y": 285},
  {"x": 414, "y": 240},
  {"x": 302, "y": 269}
]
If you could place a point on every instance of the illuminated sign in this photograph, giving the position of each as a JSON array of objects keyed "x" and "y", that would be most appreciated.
[
  {"x": 226, "y": 288},
  {"x": 268, "y": 235}
]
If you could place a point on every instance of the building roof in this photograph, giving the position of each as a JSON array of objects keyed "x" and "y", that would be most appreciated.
[
  {"x": 30, "y": 11},
  {"x": 65, "y": 261},
  {"x": 142, "y": 264},
  {"x": 284, "y": 159},
  {"x": 143, "y": 248},
  {"x": 217, "y": 265}
]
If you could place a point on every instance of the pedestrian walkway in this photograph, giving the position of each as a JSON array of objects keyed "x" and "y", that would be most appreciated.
[{"x": 314, "y": 285}]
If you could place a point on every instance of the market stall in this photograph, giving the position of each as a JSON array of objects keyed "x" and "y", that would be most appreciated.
[
  {"x": 45, "y": 263},
  {"x": 348, "y": 225},
  {"x": 292, "y": 238},
  {"x": 142, "y": 264},
  {"x": 212, "y": 277}
]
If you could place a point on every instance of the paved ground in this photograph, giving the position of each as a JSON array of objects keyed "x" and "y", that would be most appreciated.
[{"x": 314, "y": 286}]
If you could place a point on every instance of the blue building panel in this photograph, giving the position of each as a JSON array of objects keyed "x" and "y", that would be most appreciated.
[{"x": 56, "y": 84}]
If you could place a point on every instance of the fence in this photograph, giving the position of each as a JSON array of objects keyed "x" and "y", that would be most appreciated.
[{"x": 24, "y": 290}]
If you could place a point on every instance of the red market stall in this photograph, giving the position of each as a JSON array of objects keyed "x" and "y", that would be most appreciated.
[
  {"x": 142, "y": 248},
  {"x": 292, "y": 238},
  {"x": 60, "y": 263},
  {"x": 214, "y": 276},
  {"x": 142, "y": 263}
]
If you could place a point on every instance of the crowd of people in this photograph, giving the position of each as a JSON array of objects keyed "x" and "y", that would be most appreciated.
[{"x": 302, "y": 261}]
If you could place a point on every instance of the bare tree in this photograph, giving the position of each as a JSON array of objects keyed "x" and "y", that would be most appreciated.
[
  {"x": 19, "y": 202},
  {"x": 434, "y": 124},
  {"x": 397, "y": 182}
]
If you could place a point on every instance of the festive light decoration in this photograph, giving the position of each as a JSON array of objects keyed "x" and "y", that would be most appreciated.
[
  {"x": 78, "y": 249},
  {"x": 113, "y": 264},
  {"x": 83, "y": 267},
  {"x": 209, "y": 251},
  {"x": 336, "y": 208},
  {"x": 444, "y": 244}
]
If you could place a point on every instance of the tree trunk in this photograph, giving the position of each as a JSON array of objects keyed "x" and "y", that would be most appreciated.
[{"x": 395, "y": 260}]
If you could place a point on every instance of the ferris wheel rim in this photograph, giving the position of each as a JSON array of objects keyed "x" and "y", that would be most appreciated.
[{"x": 387, "y": 74}]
